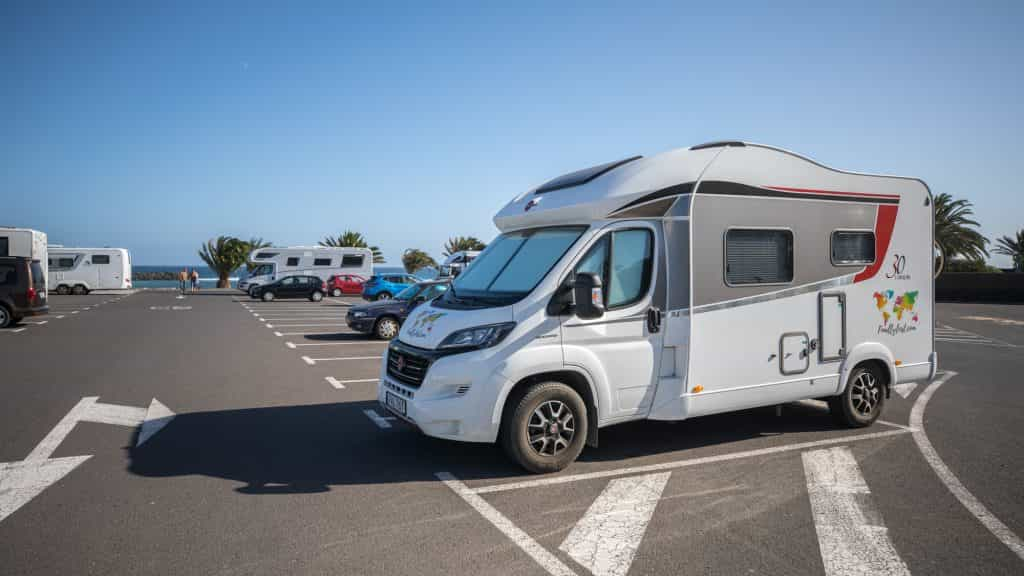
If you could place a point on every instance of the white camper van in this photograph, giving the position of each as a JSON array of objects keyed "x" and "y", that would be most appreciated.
[
  {"x": 455, "y": 263},
  {"x": 82, "y": 270},
  {"x": 24, "y": 243},
  {"x": 716, "y": 278},
  {"x": 270, "y": 264}
]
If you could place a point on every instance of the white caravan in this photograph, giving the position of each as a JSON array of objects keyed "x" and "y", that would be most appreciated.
[
  {"x": 24, "y": 243},
  {"x": 455, "y": 263},
  {"x": 704, "y": 280},
  {"x": 274, "y": 263},
  {"x": 82, "y": 270}
]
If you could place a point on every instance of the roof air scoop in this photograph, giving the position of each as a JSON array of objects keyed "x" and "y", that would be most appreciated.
[{"x": 581, "y": 176}]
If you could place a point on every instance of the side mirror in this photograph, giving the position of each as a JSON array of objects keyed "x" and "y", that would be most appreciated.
[{"x": 589, "y": 296}]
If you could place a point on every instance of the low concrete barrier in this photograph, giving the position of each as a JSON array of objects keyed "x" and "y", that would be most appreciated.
[{"x": 979, "y": 287}]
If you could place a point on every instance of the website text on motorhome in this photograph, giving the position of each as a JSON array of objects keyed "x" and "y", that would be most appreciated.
[{"x": 556, "y": 289}]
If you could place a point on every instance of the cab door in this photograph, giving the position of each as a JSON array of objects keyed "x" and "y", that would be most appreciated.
[{"x": 625, "y": 344}]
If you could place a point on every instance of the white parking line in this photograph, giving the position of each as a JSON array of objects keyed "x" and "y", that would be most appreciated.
[
  {"x": 334, "y": 382},
  {"x": 349, "y": 343},
  {"x": 296, "y": 319},
  {"x": 59, "y": 317},
  {"x": 381, "y": 421},
  {"x": 40, "y": 323},
  {"x": 313, "y": 333},
  {"x": 851, "y": 536},
  {"x": 686, "y": 463},
  {"x": 306, "y": 325},
  {"x": 290, "y": 345},
  {"x": 356, "y": 381},
  {"x": 973, "y": 505},
  {"x": 312, "y": 361}
]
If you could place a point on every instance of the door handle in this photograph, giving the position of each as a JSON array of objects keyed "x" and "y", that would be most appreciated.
[{"x": 653, "y": 320}]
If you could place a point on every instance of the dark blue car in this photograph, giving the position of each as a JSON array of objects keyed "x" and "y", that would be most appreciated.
[{"x": 384, "y": 318}]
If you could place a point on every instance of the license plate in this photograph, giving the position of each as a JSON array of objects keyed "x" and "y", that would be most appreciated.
[{"x": 396, "y": 403}]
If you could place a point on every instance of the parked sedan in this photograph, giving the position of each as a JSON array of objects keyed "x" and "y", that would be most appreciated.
[
  {"x": 384, "y": 318},
  {"x": 384, "y": 286},
  {"x": 345, "y": 284},
  {"x": 291, "y": 287}
]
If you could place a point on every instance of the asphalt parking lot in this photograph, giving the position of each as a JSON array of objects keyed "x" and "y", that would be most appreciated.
[{"x": 213, "y": 434}]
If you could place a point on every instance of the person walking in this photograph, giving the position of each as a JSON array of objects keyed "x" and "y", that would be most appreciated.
[
  {"x": 182, "y": 280},
  {"x": 195, "y": 280}
]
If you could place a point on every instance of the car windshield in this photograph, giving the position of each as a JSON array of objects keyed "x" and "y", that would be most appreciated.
[{"x": 513, "y": 265}]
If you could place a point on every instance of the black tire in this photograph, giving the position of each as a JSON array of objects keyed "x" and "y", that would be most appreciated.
[
  {"x": 386, "y": 327},
  {"x": 79, "y": 290},
  {"x": 383, "y": 296},
  {"x": 267, "y": 296},
  {"x": 6, "y": 318},
  {"x": 252, "y": 292},
  {"x": 336, "y": 292},
  {"x": 316, "y": 296},
  {"x": 63, "y": 290},
  {"x": 529, "y": 411},
  {"x": 863, "y": 399}
]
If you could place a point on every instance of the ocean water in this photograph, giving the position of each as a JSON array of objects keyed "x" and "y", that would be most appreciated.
[{"x": 208, "y": 279}]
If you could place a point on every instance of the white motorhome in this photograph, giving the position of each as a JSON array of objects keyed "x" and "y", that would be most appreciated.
[
  {"x": 24, "y": 243},
  {"x": 721, "y": 277},
  {"x": 455, "y": 263},
  {"x": 82, "y": 270},
  {"x": 274, "y": 263}
]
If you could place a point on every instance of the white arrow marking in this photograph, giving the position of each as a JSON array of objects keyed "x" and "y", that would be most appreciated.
[
  {"x": 606, "y": 539},
  {"x": 157, "y": 416},
  {"x": 23, "y": 481},
  {"x": 114, "y": 414},
  {"x": 48, "y": 444},
  {"x": 905, "y": 390},
  {"x": 334, "y": 382},
  {"x": 851, "y": 535}
]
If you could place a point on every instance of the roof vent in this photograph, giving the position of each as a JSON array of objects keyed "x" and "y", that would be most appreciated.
[{"x": 719, "y": 144}]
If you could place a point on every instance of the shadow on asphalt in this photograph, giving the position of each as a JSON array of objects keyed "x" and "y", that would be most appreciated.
[{"x": 309, "y": 448}]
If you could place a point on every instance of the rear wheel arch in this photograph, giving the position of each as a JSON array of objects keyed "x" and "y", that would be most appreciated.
[
  {"x": 575, "y": 380},
  {"x": 874, "y": 353}
]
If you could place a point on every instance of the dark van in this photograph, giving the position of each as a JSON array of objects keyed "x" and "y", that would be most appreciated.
[{"x": 22, "y": 290}]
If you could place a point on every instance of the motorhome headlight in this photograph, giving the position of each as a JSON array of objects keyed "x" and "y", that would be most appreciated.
[{"x": 477, "y": 337}]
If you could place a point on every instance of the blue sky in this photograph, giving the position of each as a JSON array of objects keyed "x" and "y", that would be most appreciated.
[{"x": 157, "y": 125}]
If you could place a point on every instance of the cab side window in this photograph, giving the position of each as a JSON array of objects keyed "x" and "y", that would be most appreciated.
[{"x": 623, "y": 260}]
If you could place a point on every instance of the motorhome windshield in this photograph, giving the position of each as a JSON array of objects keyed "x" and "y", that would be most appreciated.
[
  {"x": 262, "y": 270},
  {"x": 513, "y": 265}
]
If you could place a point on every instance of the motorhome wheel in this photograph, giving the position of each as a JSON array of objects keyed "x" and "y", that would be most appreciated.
[
  {"x": 862, "y": 401},
  {"x": 79, "y": 290},
  {"x": 546, "y": 429},
  {"x": 63, "y": 290}
]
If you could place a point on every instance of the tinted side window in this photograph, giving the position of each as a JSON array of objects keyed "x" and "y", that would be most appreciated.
[
  {"x": 8, "y": 274},
  {"x": 352, "y": 261},
  {"x": 758, "y": 257},
  {"x": 321, "y": 262},
  {"x": 100, "y": 259},
  {"x": 4, "y": 249},
  {"x": 293, "y": 261},
  {"x": 850, "y": 248},
  {"x": 631, "y": 267}
]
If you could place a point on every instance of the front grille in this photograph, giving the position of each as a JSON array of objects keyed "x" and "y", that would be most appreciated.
[{"x": 413, "y": 368}]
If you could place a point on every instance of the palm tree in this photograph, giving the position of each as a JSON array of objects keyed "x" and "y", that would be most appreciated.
[
  {"x": 1014, "y": 248},
  {"x": 954, "y": 231},
  {"x": 353, "y": 239},
  {"x": 460, "y": 243},
  {"x": 224, "y": 255},
  {"x": 415, "y": 259},
  {"x": 254, "y": 243}
]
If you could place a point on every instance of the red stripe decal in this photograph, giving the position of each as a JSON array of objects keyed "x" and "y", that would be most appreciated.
[
  {"x": 885, "y": 221},
  {"x": 835, "y": 192}
]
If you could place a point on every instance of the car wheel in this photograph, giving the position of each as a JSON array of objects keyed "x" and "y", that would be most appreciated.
[
  {"x": 386, "y": 328},
  {"x": 316, "y": 296},
  {"x": 545, "y": 430},
  {"x": 63, "y": 290},
  {"x": 79, "y": 290},
  {"x": 862, "y": 401},
  {"x": 336, "y": 292},
  {"x": 5, "y": 317},
  {"x": 383, "y": 296},
  {"x": 268, "y": 296}
]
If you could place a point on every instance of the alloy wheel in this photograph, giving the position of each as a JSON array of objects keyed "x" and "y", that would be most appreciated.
[
  {"x": 866, "y": 393},
  {"x": 551, "y": 428}
]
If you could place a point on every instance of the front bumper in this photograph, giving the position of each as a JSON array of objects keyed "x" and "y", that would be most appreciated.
[
  {"x": 363, "y": 324},
  {"x": 456, "y": 401}
]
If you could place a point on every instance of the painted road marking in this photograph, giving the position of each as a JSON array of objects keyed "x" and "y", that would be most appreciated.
[
  {"x": 949, "y": 334},
  {"x": 298, "y": 318},
  {"x": 22, "y": 481},
  {"x": 973, "y": 505},
  {"x": 606, "y": 539},
  {"x": 75, "y": 312},
  {"x": 308, "y": 325},
  {"x": 357, "y": 380},
  {"x": 660, "y": 467},
  {"x": 290, "y": 345},
  {"x": 851, "y": 536},
  {"x": 548, "y": 561},
  {"x": 346, "y": 343},
  {"x": 380, "y": 421},
  {"x": 335, "y": 333},
  {"x": 905, "y": 389},
  {"x": 997, "y": 320},
  {"x": 334, "y": 382},
  {"x": 312, "y": 361}
]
